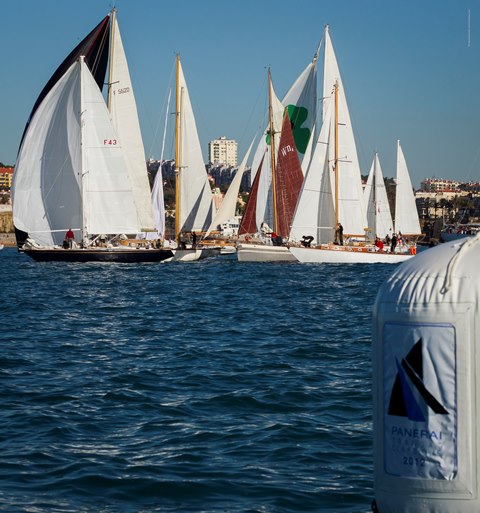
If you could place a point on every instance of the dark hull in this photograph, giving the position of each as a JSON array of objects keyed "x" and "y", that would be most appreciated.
[{"x": 99, "y": 255}]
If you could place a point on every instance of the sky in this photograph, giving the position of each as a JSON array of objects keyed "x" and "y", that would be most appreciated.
[{"x": 410, "y": 68}]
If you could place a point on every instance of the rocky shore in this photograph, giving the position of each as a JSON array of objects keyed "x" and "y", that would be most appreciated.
[{"x": 7, "y": 236}]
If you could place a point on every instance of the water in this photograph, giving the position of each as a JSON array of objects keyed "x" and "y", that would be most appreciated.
[{"x": 204, "y": 387}]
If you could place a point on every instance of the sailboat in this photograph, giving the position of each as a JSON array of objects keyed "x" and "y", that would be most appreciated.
[
  {"x": 406, "y": 215},
  {"x": 226, "y": 213},
  {"x": 379, "y": 217},
  {"x": 331, "y": 200},
  {"x": 80, "y": 167},
  {"x": 286, "y": 181},
  {"x": 194, "y": 206},
  {"x": 407, "y": 224},
  {"x": 277, "y": 181}
]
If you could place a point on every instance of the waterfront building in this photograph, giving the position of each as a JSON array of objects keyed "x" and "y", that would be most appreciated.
[
  {"x": 223, "y": 151},
  {"x": 6, "y": 176}
]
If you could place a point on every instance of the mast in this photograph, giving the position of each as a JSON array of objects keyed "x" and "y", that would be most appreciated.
[
  {"x": 336, "y": 160},
  {"x": 177, "y": 151},
  {"x": 272, "y": 153},
  {"x": 83, "y": 173},
  {"x": 113, "y": 20}
]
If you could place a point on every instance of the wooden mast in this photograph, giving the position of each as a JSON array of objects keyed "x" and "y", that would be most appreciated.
[
  {"x": 272, "y": 153},
  {"x": 177, "y": 151},
  {"x": 336, "y": 161}
]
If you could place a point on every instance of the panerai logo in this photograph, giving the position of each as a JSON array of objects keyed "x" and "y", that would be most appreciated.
[{"x": 410, "y": 397}]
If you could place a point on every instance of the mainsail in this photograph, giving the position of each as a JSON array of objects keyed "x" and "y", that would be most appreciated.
[
  {"x": 94, "y": 47},
  {"x": 288, "y": 179},
  {"x": 249, "y": 222},
  {"x": 351, "y": 210},
  {"x": 70, "y": 170},
  {"x": 375, "y": 198},
  {"x": 315, "y": 214},
  {"x": 195, "y": 209},
  {"x": 406, "y": 215},
  {"x": 122, "y": 106}
]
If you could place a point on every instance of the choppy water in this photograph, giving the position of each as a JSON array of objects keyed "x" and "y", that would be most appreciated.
[{"x": 211, "y": 386}]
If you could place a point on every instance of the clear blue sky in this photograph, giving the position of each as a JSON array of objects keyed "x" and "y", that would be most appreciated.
[{"x": 408, "y": 71}]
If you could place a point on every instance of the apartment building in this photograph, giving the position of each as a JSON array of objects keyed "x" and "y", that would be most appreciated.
[
  {"x": 223, "y": 151},
  {"x": 6, "y": 176}
]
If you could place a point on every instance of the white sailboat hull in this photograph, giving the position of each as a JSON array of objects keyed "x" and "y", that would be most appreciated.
[
  {"x": 192, "y": 255},
  {"x": 263, "y": 253},
  {"x": 347, "y": 255}
]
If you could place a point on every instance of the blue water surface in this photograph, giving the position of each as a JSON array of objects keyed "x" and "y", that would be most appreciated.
[{"x": 212, "y": 386}]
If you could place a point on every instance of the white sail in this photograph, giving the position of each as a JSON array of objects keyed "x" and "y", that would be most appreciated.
[
  {"x": 351, "y": 210},
  {"x": 123, "y": 109},
  {"x": 70, "y": 170},
  {"x": 158, "y": 204},
  {"x": 196, "y": 199},
  {"x": 228, "y": 206},
  {"x": 406, "y": 214},
  {"x": 301, "y": 96},
  {"x": 315, "y": 215},
  {"x": 46, "y": 191},
  {"x": 379, "y": 217},
  {"x": 108, "y": 201},
  {"x": 301, "y": 102}
]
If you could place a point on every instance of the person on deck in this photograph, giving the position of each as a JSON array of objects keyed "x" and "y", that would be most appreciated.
[
  {"x": 306, "y": 241},
  {"x": 70, "y": 237},
  {"x": 394, "y": 244},
  {"x": 340, "y": 234},
  {"x": 379, "y": 244}
]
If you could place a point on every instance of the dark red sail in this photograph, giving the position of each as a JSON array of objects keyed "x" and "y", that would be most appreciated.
[
  {"x": 288, "y": 178},
  {"x": 249, "y": 221}
]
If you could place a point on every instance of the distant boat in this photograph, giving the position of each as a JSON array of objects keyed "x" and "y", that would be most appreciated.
[
  {"x": 406, "y": 214},
  {"x": 287, "y": 178},
  {"x": 330, "y": 210},
  {"x": 81, "y": 164},
  {"x": 453, "y": 232},
  {"x": 194, "y": 206},
  {"x": 379, "y": 217},
  {"x": 278, "y": 172}
]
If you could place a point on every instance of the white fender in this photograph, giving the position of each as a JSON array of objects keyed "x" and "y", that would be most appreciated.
[{"x": 426, "y": 383}]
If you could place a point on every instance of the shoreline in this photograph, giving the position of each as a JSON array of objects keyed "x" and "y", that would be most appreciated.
[{"x": 8, "y": 240}]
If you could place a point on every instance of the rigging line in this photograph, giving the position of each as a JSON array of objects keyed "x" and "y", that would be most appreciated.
[
  {"x": 252, "y": 112},
  {"x": 164, "y": 106},
  {"x": 165, "y": 128}
]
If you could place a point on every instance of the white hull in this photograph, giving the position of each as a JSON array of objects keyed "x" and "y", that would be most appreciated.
[
  {"x": 263, "y": 253},
  {"x": 192, "y": 255},
  {"x": 347, "y": 255}
]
